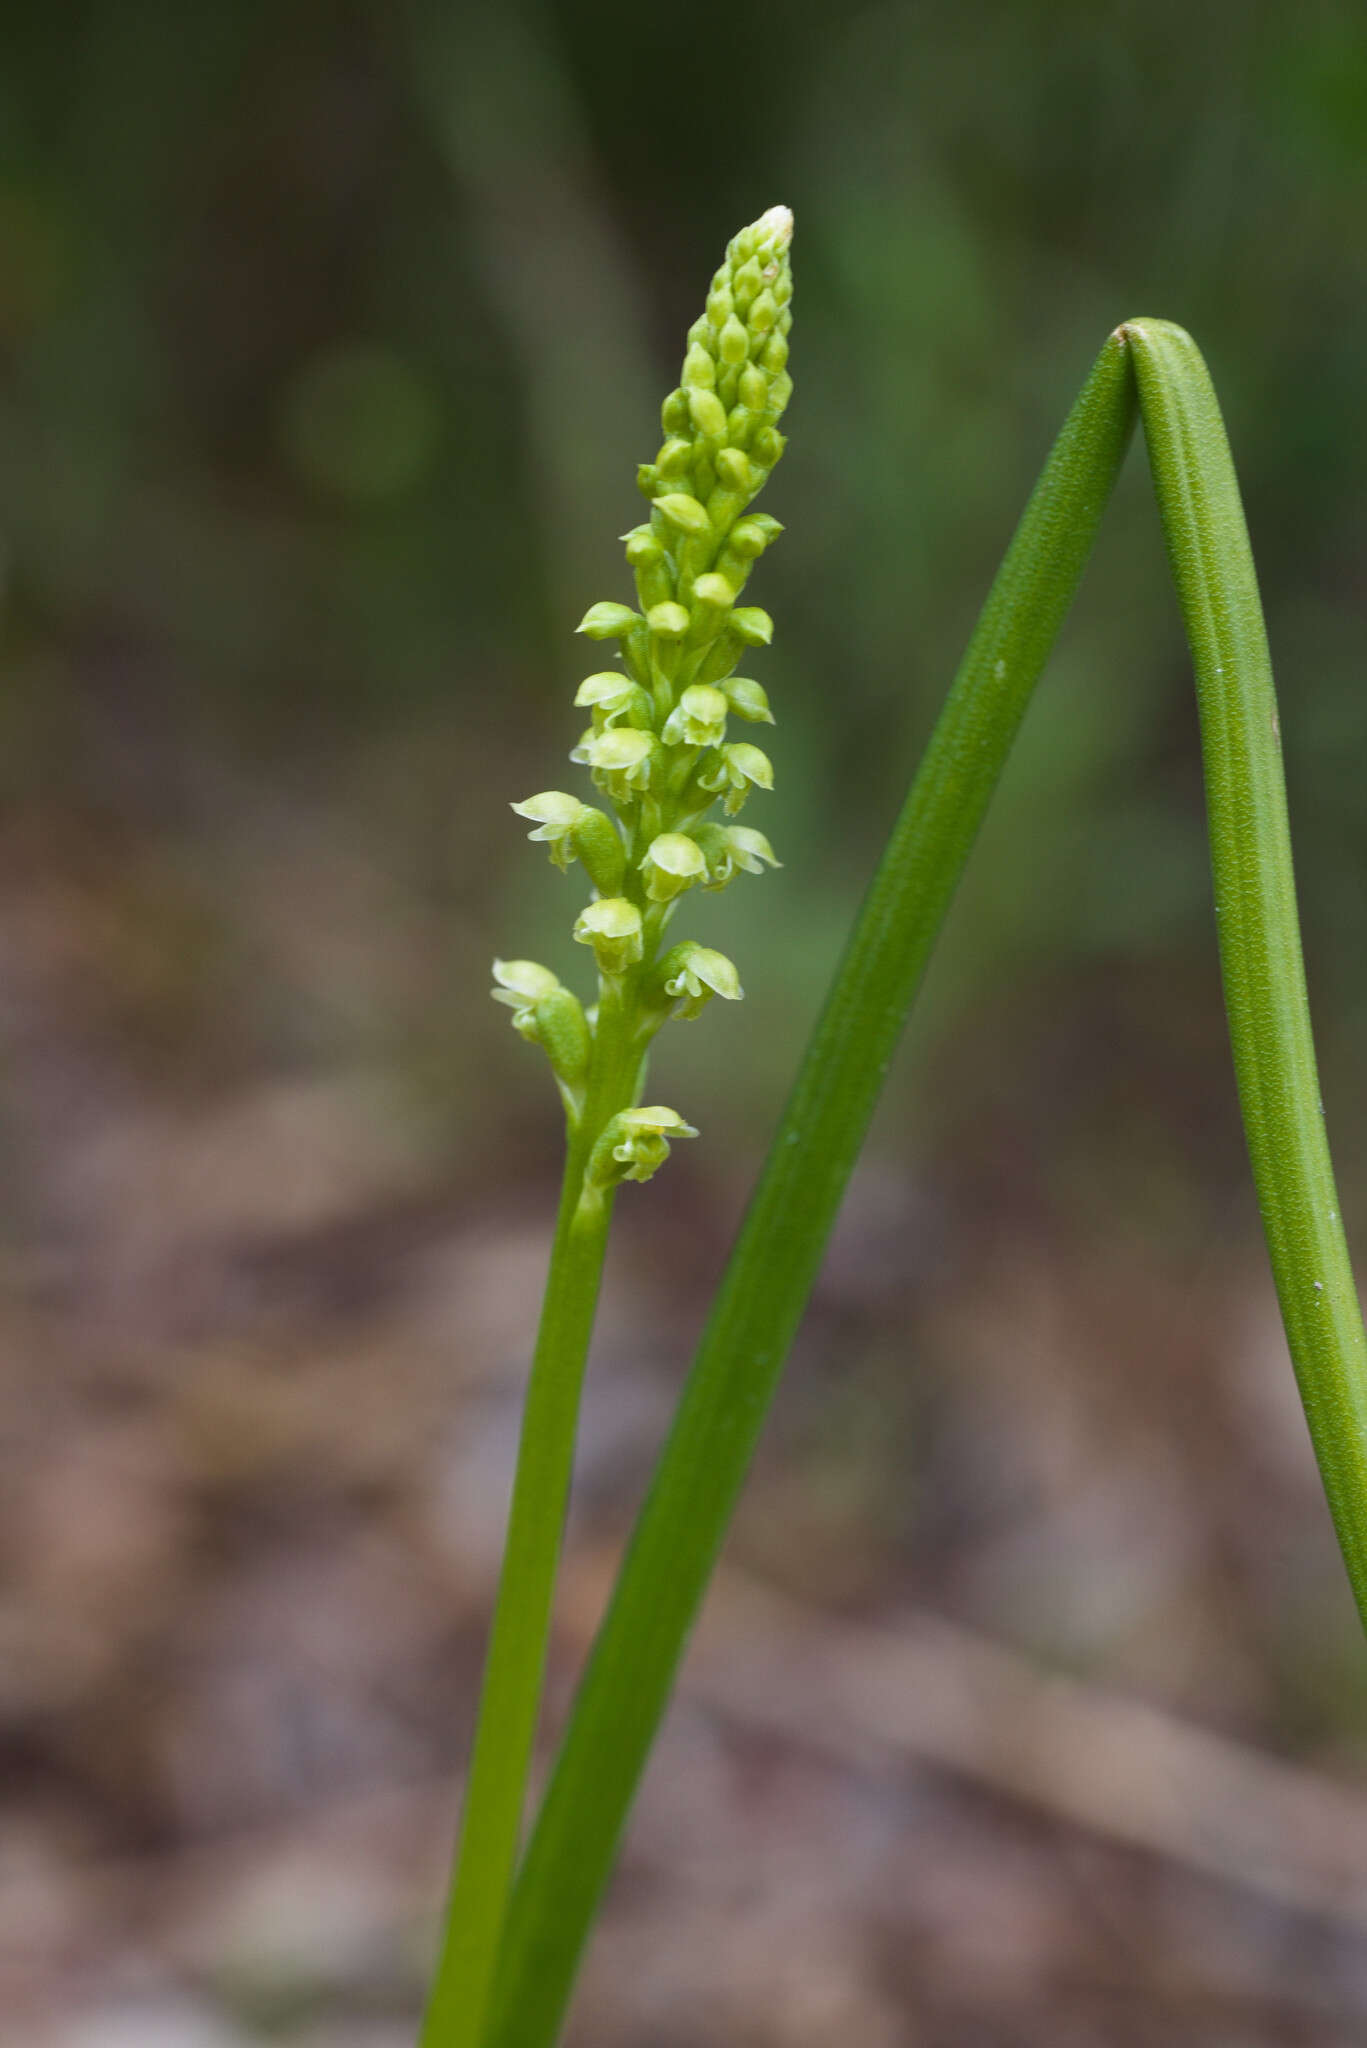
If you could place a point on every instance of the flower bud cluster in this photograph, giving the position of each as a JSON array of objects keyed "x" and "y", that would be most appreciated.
[{"x": 660, "y": 748}]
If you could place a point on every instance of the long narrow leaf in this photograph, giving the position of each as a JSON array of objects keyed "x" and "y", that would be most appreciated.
[
  {"x": 774, "y": 1264},
  {"x": 1255, "y": 906},
  {"x": 704, "y": 1462}
]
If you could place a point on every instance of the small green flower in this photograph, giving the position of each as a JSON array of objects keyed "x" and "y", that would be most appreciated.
[
  {"x": 693, "y": 974},
  {"x": 611, "y": 697},
  {"x": 749, "y": 849},
  {"x": 619, "y": 760},
  {"x": 673, "y": 863},
  {"x": 613, "y": 927},
  {"x": 635, "y": 1145},
  {"x": 556, "y": 814},
  {"x": 728, "y": 849},
  {"x": 699, "y": 717},
  {"x": 520, "y": 984},
  {"x": 738, "y": 768},
  {"x": 551, "y": 1016}
]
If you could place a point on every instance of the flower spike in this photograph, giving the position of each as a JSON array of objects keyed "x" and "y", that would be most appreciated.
[{"x": 657, "y": 748}]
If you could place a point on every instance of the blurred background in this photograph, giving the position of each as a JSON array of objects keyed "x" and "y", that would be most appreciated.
[{"x": 1033, "y": 1707}]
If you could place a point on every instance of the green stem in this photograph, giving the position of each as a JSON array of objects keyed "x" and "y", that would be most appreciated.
[
  {"x": 624, "y": 1691},
  {"x": 1255, "y": 907},
  {"x": 510, "y": 1697}
]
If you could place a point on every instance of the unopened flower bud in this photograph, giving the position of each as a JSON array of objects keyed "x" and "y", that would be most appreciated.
[
  {"x": 733, "y": 343},
  {"x": 554, "y": 812},
  {"x": 673, "y": 862},
  {"x": 674, "y": 413},
  {"x": 748, "y": 699},
  {"x": 713, "y": 591},
  {"x": 766, "y": 447},
  {"x": 698, "y": 719},
  {"x": 740, "y": 425},
  {"x": 612, "y": 927},
  {"x": 647, "y": 558},
  {"x": 763, "y": 312},
  {"x": 607, "y": 621},
  {"x": 746, "y": 286},
  {"x": 752, "y": 624},
  {"x": 750, "y": 536},
  {"x": 684, "y": 512},
  {"x": 734, "y": 470},
  {"x": 642, "y": 546},
  {"x": 675, "y": 459},
  {"x": 708, "y": 414},
  {"x": 746, "y": 541},
  {"x": 667, "y": 621},
  {"x": 773, "y": 232},
  {"x": 699, "y": 370},
  {"x": 753, "y": 388}
]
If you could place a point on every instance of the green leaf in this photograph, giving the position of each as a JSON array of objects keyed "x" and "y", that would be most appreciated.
[
  {"x": 1255, "y": 908},
  {"x": 681, "y": 1527},
  {"x": 627, "y": 1684}
]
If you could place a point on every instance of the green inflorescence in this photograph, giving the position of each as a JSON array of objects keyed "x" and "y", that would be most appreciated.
[{"x": 657, "y": 748}]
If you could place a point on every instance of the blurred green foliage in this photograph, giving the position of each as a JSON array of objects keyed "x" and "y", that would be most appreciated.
[{"x": 332, "y": 335}]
